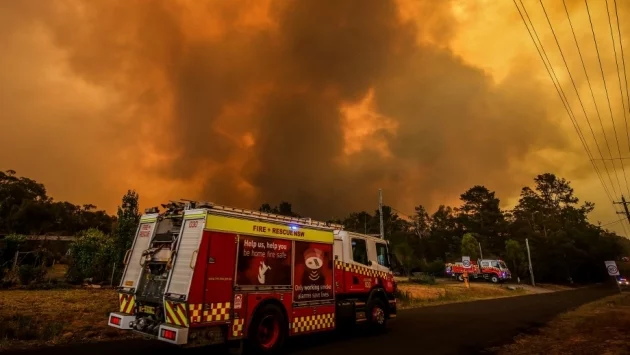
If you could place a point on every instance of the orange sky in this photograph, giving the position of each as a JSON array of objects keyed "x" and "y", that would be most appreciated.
[{"x": 316, "y": 102}]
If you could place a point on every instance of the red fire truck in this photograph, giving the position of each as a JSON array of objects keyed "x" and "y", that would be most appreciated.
[
  {"x": 494, "y": 271},
  {"x": 201, "y": 273}
]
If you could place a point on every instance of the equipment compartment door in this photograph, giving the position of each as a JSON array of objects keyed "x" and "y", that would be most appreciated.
[
  {"x": 186, "y": 258},
  {"x": 220, "y": 271},
  {"x": 144, "y": 234}
]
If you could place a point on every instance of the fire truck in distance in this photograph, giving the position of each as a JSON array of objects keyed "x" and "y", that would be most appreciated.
[
  {"x": 494, "y": 271},
  {"x": 200, "y": 274}
]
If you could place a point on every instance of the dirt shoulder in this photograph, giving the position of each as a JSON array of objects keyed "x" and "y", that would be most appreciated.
[{"x": 600, "y": 327}]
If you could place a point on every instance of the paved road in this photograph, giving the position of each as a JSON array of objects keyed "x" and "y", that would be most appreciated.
[{"x": 462, "y": 328}]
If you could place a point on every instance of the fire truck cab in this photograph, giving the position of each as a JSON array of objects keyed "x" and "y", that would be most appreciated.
[{"x": 201, "y": 273}]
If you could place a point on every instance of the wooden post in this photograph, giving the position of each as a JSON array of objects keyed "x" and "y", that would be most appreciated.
[
  {"x": 529, "y": 257},
  {"x": 111, "y": 282},
  {"x": 15, "y": 260}
]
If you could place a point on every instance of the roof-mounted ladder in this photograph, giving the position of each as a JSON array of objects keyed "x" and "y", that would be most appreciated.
[{"x": 271, "y": 217}]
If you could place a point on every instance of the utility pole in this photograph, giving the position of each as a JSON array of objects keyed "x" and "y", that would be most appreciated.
[
  {"x": 480, "y": 252},
  {"x": 625, "y": 207},
  {"x": 529, "y": 257},
  {"x": 380, "y": 212},
  {"x": 364, "y": 224}
]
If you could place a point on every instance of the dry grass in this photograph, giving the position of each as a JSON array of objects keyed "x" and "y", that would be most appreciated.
[
  {"x": 415, "y": 295},
  {"x": 553, "y": 287},
  {"x": 57, "y": 272},
  {"x": 600, "y": 327},
  {"x": 32, "y": 318}
]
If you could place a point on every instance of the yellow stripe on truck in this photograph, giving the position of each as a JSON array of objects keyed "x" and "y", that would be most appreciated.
[
  {"x": 170, "y": 315},
  {"x": 126, "y": 303},
  {"x": 243, "y": 226},
  {"x": 176, "y": 313}
]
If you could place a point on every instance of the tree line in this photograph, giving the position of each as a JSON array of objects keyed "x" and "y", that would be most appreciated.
[
  {"x": 565, "y": 245},
  {"x": 26, "y": 209}
]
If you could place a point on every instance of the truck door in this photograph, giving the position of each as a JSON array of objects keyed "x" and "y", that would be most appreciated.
[
  {"x": 381, "y": 256},
  {"x": 221, "y": 267},
  {"x": 355, "y": 281}
]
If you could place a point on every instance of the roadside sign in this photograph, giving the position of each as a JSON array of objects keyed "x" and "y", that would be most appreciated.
[
  {"x": 611, "y": 266},
  {"x": 466, "y": 261}
]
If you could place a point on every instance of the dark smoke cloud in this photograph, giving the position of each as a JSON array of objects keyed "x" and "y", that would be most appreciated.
[{"x": 189, "y": 80}]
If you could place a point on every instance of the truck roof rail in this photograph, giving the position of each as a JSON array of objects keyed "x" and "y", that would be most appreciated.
[{"x": 263, "y": 215}]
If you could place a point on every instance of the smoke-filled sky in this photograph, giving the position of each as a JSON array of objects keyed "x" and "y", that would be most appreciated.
[{"x": 319, "y": 103}]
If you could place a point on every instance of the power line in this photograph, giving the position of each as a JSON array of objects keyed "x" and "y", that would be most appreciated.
[
  {"x": 588, "y": 80},
  {"x": 623, "y": 104},
  {"x": 402, "y": 213},
  {"x": 623, "y": 60},
  {"x": 601, "y": 67},
  {"x": 613, "y": 222},
  {"x": 560, "y": 92},
  {"x": 576, "y": 90},
  {"x": 563, "y": 98}
]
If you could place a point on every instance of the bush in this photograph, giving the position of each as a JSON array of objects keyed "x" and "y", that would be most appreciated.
[
  {"x": 92, "y": 255},
  {"x": 435, "y": 267},
  {"x": 74, "y": 275},
  {"x": 422, "y": 278},
  {"x": 30, "y": 273}
]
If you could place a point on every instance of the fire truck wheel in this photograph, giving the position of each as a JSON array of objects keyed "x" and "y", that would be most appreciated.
[
  {"x": 460, "y": 278},
  {"x": 494, "y": 279},
  {"x": 267, "y": 331},
  {"x": 377, "y": 316}
]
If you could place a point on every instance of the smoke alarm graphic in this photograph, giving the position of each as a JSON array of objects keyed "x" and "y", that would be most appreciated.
[{"x": 314, "y": 261}]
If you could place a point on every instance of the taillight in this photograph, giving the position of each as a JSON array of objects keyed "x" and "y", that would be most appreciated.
[
  {"x": 115, "y": 320},
  {"x": 168, "y": 334}
]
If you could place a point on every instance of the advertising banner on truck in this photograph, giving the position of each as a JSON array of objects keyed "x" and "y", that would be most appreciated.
[
  {"x": 263, "y": 261},
  {"x": 313, "y": 272}
]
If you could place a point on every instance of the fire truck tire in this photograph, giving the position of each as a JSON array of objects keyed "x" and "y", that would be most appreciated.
[
  {"x": 267, "y": 331},
  {"x": 460, "y": 277},
  {"x": 494, "y": 278},
  {"x": 376, "y": 315}
]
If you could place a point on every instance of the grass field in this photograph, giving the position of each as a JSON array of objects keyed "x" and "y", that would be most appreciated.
[
  {"x": 30, "y": 318},
  {"x": 600, "y": 327}
]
